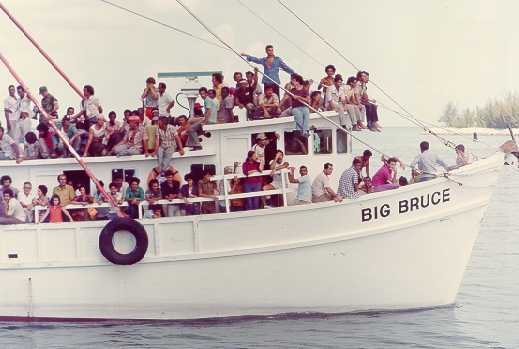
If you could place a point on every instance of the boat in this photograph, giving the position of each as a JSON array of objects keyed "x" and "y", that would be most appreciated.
[{"x": 399, "y": 249}]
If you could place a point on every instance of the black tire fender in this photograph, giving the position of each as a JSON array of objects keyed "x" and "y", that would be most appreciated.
[{"x": 106, "y": 244}]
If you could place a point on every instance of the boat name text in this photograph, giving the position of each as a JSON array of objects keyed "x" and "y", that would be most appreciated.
[{"x": 406, "y": 205}]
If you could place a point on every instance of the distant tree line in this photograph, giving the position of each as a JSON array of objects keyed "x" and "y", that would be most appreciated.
[{"x": 498, "y": 113}]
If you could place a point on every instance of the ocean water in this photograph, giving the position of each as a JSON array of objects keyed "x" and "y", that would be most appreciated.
[{"x": 486, "y": 314}]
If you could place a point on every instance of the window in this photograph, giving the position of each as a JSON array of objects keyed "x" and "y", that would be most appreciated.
[
  {"x": 126, "y": 174},
  {"x": 322, "y": 141},
  {"x": 295, "y": 143},
  {"x": 342, "y": 142}
]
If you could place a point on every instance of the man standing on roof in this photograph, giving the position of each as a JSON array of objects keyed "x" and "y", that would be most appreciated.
[
  {"x": 166, "y": 102},
  {"x": 150, "y": 98},
  {"x": 271, "y": 65},
  {"x": 10, "y": 109}
]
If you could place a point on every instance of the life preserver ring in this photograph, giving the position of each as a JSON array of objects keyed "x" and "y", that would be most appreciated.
[{"x": 106, "y": 244}]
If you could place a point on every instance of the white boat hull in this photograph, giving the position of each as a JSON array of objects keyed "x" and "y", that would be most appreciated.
[{"x": 313, "y": 258}]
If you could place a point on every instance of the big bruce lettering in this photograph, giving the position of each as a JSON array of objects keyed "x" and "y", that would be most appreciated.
[
  {"x": 406, "y": 205},
  {"x": 424, "y": 201}
]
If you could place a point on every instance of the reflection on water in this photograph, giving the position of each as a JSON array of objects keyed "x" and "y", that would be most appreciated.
[{"x": 485, "y": 316}]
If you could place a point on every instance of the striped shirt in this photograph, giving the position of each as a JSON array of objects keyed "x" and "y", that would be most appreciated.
[{"x": 167, "y": 137}]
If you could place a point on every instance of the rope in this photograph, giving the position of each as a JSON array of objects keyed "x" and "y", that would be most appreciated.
[
  {"x": 178, "y": 30},
  {"x": 411, "y": 117},
  {"x": 188, "y": 10},
  {"x": 65, "y": 141},
  {"x": 280, "y": 33},
  {"x": 43, "y": 53}
]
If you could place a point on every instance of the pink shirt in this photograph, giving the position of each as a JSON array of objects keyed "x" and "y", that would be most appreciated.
[{"x": 383, "y": 176}]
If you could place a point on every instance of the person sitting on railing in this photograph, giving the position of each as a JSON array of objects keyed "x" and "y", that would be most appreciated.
[
  {"x": 326, "y": 82},
  {"x": 208, "y": 189},
  {"x": 56, "y": 212},
  {"x": 349, "y": 183},
  {"x": 276, "y": 165},
  {"x": 268, "y": 104},
  {"x": 114, "y": 131},
  {"x": 134, "y": 196},
  {"x": 13, "y": 212},
  {"x": 31, "y": 147},
  {"x": 151, "y": 131},
  {"x": 26, "y": 198},
  {"x": 300, "y": 97},
  {"x": 46, "y": 144},
  {"x": 321, "y": 188},
  {"x": 336, "y": 95},
  {"x": 97, "y": 138},
  {"x": 316, "y": 101},
  {"x": 371, "y": 107},
  {"x": 304, "y": 185},
  {"x": 386, "y": 177},
  {"x": 74, "y": 135},
  {"x": 189, "y": 131},
  {"x": 244, "y": 97},
  {"x": 188, "y": 191},
  {"x": 252, "y": 79},
  {"x": 210, "y": 107},
  {"x": 150, "y": 98},
  {"x": 84, "y": 199},
  {"x": 237, "y": 76},
  {"x": 167, "y": 143},
  {"x": 8, "y": 147},
  {"x": 90, "y": 107},
  {"x": 153, "y": 195},
  {"x": 251, "y": 165},
  {"x": 132, "y": 143},
  {"x": 170, "y": 190},
  {"x": 49, "y": 104},
  {"x": 225, "y": 110},
  {"x": 352, "y": 104}
]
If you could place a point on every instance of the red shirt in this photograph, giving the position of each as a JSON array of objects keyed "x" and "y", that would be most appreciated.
[{"x": 249, "y": 167}]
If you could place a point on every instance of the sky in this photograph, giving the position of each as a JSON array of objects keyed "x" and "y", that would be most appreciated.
[{"x": 423, "y": 53}]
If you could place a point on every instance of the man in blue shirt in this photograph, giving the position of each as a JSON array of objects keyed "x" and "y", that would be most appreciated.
[{"x": 271, "y": 65}]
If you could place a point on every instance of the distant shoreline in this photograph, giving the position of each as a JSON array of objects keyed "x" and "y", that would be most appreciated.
[{"x": 481, "y": 131}]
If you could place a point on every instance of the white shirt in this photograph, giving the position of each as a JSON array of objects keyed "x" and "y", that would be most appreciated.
[
  {"x": 26, "y": 199},
  {"x": 319, "y": 184},
  {"x": 25, "y": 105},
  {"x": 15, "y": 210},
  {"x": 260, "y": 152},
  {"x": 5, "y": 145},
  {"x": 164, "y": 101},
  {"x": 91, "y": 107},
  {"x": 334, "y": 94},
  {"x": 11, "y": 104}
]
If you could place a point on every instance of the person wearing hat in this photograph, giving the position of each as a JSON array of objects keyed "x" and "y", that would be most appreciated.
[
  {"x": 49, "y": 104},
  {"x": 133, "y": 141},
  {"x": 259, "y": 147}
]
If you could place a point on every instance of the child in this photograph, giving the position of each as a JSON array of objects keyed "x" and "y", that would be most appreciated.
[{"x": 56, "y": 213}]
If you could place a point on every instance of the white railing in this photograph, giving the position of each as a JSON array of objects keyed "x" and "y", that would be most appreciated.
[{"x": 226, "y": 196}]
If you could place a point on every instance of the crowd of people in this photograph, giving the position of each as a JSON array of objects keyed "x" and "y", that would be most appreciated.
[
  {"x": 152, "y": 130},
  {"x": 18, "y": 206}
]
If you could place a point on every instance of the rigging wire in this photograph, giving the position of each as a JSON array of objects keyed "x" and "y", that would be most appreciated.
[
  {"x": 60, "y": 134},
  {"x": 223, "y": 42},
  {"x": 411, "y": 118},
  {"x": 178, "y": 30},
  {"x": 280, "y": 33}
]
